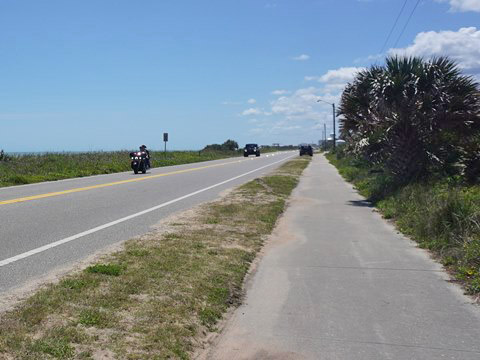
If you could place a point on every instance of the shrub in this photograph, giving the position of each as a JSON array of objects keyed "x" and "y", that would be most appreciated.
[{"x": 415, "y": 117}]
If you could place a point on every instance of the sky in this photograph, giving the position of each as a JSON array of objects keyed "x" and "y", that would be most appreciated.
[{"x": 85, "y": 75}]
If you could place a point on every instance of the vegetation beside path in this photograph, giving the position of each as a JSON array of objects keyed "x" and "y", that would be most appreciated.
[
  {"x": 157, "y": 298},
  {"x": 441, "y": 214},
  {"x": 412, "y": 146}
]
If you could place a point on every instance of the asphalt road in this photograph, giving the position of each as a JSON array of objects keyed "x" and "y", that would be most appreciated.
[
  {"x": 47, "y": 226},
  {"x": 338, "y": 282}
]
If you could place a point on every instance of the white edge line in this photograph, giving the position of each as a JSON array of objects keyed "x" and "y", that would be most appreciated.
[{"x": 126, "y": 218}]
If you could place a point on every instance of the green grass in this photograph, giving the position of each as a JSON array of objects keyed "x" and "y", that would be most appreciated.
[
  {"x": 59, "y": 348},
  {"x": 442, "y": 215},
  {"x": 26, "y": 169},
  {"x": 106, "y": 269},
  {"x": 157, "y": 298},
  {"x": 94, "y": 317}
]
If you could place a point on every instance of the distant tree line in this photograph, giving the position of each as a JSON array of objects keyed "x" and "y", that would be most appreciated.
[
  {"x": 232, "y": 145},
  {"x": 229, "y": 145},
  {"x": 414, "y": 118}
]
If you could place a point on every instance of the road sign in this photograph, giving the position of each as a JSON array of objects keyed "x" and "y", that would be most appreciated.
[{"x": 165, "y": 139}]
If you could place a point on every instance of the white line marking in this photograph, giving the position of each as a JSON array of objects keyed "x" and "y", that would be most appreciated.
[{"x": 113, "y": 223}]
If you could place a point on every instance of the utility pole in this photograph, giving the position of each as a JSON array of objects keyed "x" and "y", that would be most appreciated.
[
  {"x": 334, "y": 135},
  {"x": 325, "y": 136},
  {"x": 333, "y": 107}
]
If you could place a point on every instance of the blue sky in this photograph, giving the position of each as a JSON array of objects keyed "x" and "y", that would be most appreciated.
[{"x": 92, "y": 75}]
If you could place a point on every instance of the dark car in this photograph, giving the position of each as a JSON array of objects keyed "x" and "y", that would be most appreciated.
[
  {"x": 306, "y": 149},
  {"x": 251, "y": 149}
]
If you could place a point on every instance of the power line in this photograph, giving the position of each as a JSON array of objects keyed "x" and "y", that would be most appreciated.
[
  {"x": 406, "y": 24},
  {"x": 394, "y": 25}
]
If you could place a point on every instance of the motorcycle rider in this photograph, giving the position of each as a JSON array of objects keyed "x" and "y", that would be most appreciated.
[{"x": 143, "y": 148}]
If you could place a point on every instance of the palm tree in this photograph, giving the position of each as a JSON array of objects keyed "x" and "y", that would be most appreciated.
[
  {"x": 360, "y": 125},
  {"x": 412, "y": 115}
]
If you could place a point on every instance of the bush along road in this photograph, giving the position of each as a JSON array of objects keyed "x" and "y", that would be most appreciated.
[{"x": 163, "y": 292}]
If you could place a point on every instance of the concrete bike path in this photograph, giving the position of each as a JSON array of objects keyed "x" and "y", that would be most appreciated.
[{"x": 338, "y": 282}]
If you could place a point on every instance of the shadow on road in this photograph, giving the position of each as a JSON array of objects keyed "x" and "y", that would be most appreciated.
[{"x": 360, "y": 203}]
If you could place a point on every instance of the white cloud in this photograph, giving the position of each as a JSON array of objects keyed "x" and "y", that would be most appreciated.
[
  {"x": 463, "y": 46},
  {"x": 296, "y": 117},
  {"x": 335, "y": 80},
  {"x": 285, "y": 126},
  {"x": 299, "y": 103},
  {"x": 463, "y": 5},
  {"x": 281, "y": 127},
  {"x": 340, "y": 76},
  {"x": 369, "y": 58},
  {"x": 300, "y": 115},
  {"x": 251, "y": 101},
  {"x": 302, "y": 57},
  {"x": 227, "y": 102},
  {"x": 252, "y": 111},
  {"x": 302, "y": 107},
  {"x": 280, "y": 92}
]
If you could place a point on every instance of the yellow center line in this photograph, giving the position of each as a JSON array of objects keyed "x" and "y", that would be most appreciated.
[{"x": 57, "y": 193}]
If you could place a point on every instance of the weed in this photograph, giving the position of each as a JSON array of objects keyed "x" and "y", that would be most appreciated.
[
  {"x": 138, "y": 252},
  {"x": 58, "y": 348},
  {"x": 93, "y": 317},
  {"x": 211, "y": 221},
  {"x": 106, "y": 269},
  {"x": 74, "y": 284}
]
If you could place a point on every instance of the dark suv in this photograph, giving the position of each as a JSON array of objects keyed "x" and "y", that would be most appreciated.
[
  {"x": 251, "y": 149},
  {"x": 306, "y": 149}
]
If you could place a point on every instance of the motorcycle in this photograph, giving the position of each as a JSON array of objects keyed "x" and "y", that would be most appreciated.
[{"x": 139, "y": 161}]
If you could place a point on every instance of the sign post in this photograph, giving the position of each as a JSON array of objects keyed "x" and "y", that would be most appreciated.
[{"x": 165, "y": 140}]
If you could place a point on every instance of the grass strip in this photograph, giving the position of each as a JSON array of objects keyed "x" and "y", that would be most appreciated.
[
  {"x": 442, "y": 215},
  {"x": 160, "y": 295},
  {"x": 33, "y": 168}
]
